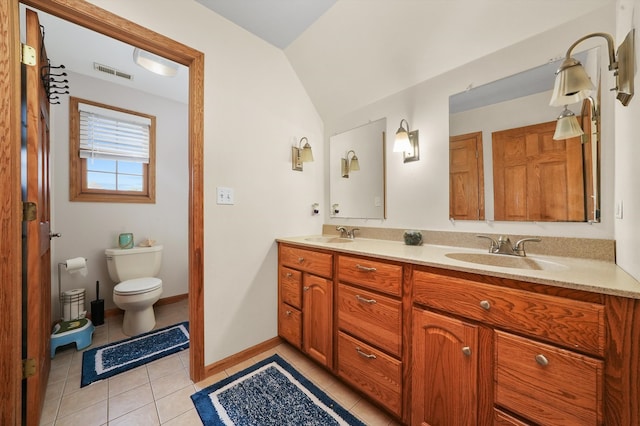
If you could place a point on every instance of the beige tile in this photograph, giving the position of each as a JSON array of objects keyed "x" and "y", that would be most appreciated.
[
  {"x": 211, "y": 380},
  {"x": 49, "y": 411},
  {"x": 169, "y": 384},
  {"x": 78, "y": 401},
  {"x": 343, "y": 395},
  {"x": 370, "y": 414},
  {"x": 190, "y": 418},
  {"x": 54, "y": 391},
  {"x": 164, "y": 366},
  {"x": 320, "y": 377},
  {"x": 175, "y": 404},
  {"x": 128, "y": 380},
  {"x": 93, "y": 415},
  {"x": 129, "y": 401},
  {"x": 73, "y": 384},
  {"x": 239, "y": 367},
  {"x": 146, "y": 415},
  {"x": 58, "y": 374}
]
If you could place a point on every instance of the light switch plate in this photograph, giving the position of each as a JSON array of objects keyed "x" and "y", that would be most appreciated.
[
  {"x": 224, "y": 195},
  {"x": 619, "y": 209}
]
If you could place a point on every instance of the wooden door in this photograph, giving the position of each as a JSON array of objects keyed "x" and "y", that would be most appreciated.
[
  {"x": 36, "y": 253},
  {"x": 466, "y": 177},
  {"x": 445, "y": 371},
  {"x": 537, "y": 178},
  {"x": 317, "y": 319}
]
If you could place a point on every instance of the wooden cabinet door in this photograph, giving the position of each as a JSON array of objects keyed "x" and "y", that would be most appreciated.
[
  {"x": 317, "y": 324},
  {"x": 445, "y": 371}
]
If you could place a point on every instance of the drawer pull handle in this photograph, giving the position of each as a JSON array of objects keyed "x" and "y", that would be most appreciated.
[
  {"x": 466, "y": 351},
  {"x": 365, "y": 355},
  {"x": 363, "y": 300},
  {"x": 306, "y": 288},
  {"x": 300, "y": 259},
  {"x": 542, "y": 360},
  {"x": 484, "y": 304},
  {"x": 365, "y": 268},
  {"x": 288, "y": 313}
]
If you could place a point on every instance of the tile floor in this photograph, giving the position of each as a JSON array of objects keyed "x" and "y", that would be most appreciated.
[{"x": 159, "y": 392}]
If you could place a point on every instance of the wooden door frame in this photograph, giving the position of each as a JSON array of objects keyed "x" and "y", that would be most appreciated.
[{"x": 111, "y": 25}]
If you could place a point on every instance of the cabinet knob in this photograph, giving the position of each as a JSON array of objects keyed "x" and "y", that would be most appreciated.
[
  {"x": 288, "y": 313},
  {"x": 542, "y": 360},
  {"x": 306, "y": 288},
  {"x": 300, "y": 259},
  {"x": 466, "y": 351},
  {"x": 289, "y": 274},
  {"x": 484, "y": 304}
]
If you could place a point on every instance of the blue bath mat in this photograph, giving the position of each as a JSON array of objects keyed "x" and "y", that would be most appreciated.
[
  {"x": 269, "y": 393},
  {"x": 108, "y": 360}
]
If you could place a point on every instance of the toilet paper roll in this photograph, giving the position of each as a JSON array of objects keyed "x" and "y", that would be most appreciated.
[{"x": 75, "y": 265}]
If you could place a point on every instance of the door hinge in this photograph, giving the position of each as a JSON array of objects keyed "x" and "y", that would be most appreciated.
[
  {"x": 29, "y": 211},
  {"x": 27, "y": 55},
  {"x": 28, "y": 367}
]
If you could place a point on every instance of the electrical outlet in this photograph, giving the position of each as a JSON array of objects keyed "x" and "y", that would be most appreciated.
[{"x": 224, "y": 195}]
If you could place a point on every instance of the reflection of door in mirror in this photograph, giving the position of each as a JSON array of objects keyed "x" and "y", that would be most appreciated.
[
  {"x": 537, "y": 178},
  {"x": 466, "y": 177}
]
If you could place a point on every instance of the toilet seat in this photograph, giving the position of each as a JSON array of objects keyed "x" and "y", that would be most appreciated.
[{"x": 137, "y": 286}]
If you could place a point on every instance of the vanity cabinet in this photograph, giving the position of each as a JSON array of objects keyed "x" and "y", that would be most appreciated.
[
  {"x": 305, "y": 301},
  {"x": 542, "y": 362},
  {"x": 369, "y": 309}
]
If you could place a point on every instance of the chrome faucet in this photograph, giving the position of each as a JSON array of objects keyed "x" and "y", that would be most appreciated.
[
  {"x": 347, "y": 233},
  {"x": 503, "y": 245}
]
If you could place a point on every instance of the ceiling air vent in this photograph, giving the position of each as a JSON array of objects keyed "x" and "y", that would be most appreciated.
[{"x": 112, "y": 71}]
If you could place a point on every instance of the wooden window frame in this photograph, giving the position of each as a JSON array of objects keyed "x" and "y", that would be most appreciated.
[{"x": 78, "y": 190}]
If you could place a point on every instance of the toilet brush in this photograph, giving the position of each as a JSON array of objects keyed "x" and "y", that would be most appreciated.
[{"x": 97, "y": 307}]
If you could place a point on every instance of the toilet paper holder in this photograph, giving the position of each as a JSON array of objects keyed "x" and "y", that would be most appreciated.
[{"x": 71, "y": 265}]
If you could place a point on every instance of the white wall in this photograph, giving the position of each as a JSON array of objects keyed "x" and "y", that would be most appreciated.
[
  {"x": 89, "y": 228},
  {"x": 418, "y": 193},
  {"x": 255, "y": 107},
  {"x": 627, "y": 154}
]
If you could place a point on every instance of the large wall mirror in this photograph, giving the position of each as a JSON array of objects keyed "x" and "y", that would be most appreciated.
[
  {"x": 357, "y": 172},
  {"x": 503, "y": 161}
]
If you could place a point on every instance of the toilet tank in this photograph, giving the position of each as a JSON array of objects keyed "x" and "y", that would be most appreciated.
[{"x": 137, "y": 262}]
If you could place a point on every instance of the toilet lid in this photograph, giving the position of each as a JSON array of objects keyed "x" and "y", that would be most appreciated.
[{"x": 138, "y": 285}]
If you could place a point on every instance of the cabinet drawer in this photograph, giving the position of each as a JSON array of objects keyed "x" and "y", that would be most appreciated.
[
  {"x": 570, "y": 323},
  {"x": 371, "y": 317},
  {"x": 307, "y": 260},
  {"x": 371, "y": 371},
  {"x": 291, "y": 286},
  {"x": 546, "y": 384},
  {"x": 379, "y": 276},
  {"x": 290, "y": 324}
]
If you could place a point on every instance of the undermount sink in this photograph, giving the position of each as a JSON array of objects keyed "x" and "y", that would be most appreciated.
[
  {"x": 506, "y": 261},
  {"x": 328, "y": 240}
]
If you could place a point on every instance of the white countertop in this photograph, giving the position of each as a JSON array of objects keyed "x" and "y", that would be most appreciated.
[{"x": 574, "y": 273}]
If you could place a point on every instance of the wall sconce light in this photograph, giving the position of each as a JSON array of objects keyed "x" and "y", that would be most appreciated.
[
  {"x": 407, "y": 142},
  {"x": 573, "y": 84},
  {"x": 154, "y": 63},
  {"x": 567, "y": 126},
  {"x": 349, "y": 165},
  {"x": 301, "y": 154}
]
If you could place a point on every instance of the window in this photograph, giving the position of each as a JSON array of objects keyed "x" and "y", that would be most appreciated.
[{"x": 111, "y": 154}]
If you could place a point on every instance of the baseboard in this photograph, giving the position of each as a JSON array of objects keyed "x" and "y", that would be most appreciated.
[
  {"x": 114, "y": 312},
  {"x": 223, "y": 364}
]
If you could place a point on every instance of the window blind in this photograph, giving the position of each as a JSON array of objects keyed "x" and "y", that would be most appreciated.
[{"x": 113, "y": 135}]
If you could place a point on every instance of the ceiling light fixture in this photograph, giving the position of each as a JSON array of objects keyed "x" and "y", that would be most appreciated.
[
  {"x": 154, "y": 63},
  {"x": 406, "y": 141},
  {"x": 301, "y": 154}
]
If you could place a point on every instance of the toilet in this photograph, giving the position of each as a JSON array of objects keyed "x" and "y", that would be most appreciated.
[{"x": 135, "y": 270}]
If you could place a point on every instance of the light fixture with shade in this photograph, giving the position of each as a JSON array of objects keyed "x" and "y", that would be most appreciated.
[
  {"x": 406, "y": 141},
  {"x": 301, "y": 154},
  {"x": 573, "y": 84},
  {"x": 349, "y": 164},
  {"x": 154, "y": 63},
  {"x": 567, "y": 126}
]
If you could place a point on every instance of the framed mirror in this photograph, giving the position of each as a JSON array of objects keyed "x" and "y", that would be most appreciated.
[
  {"x": 504, "y": 164},
  {"x": 357, "y": 172}
]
